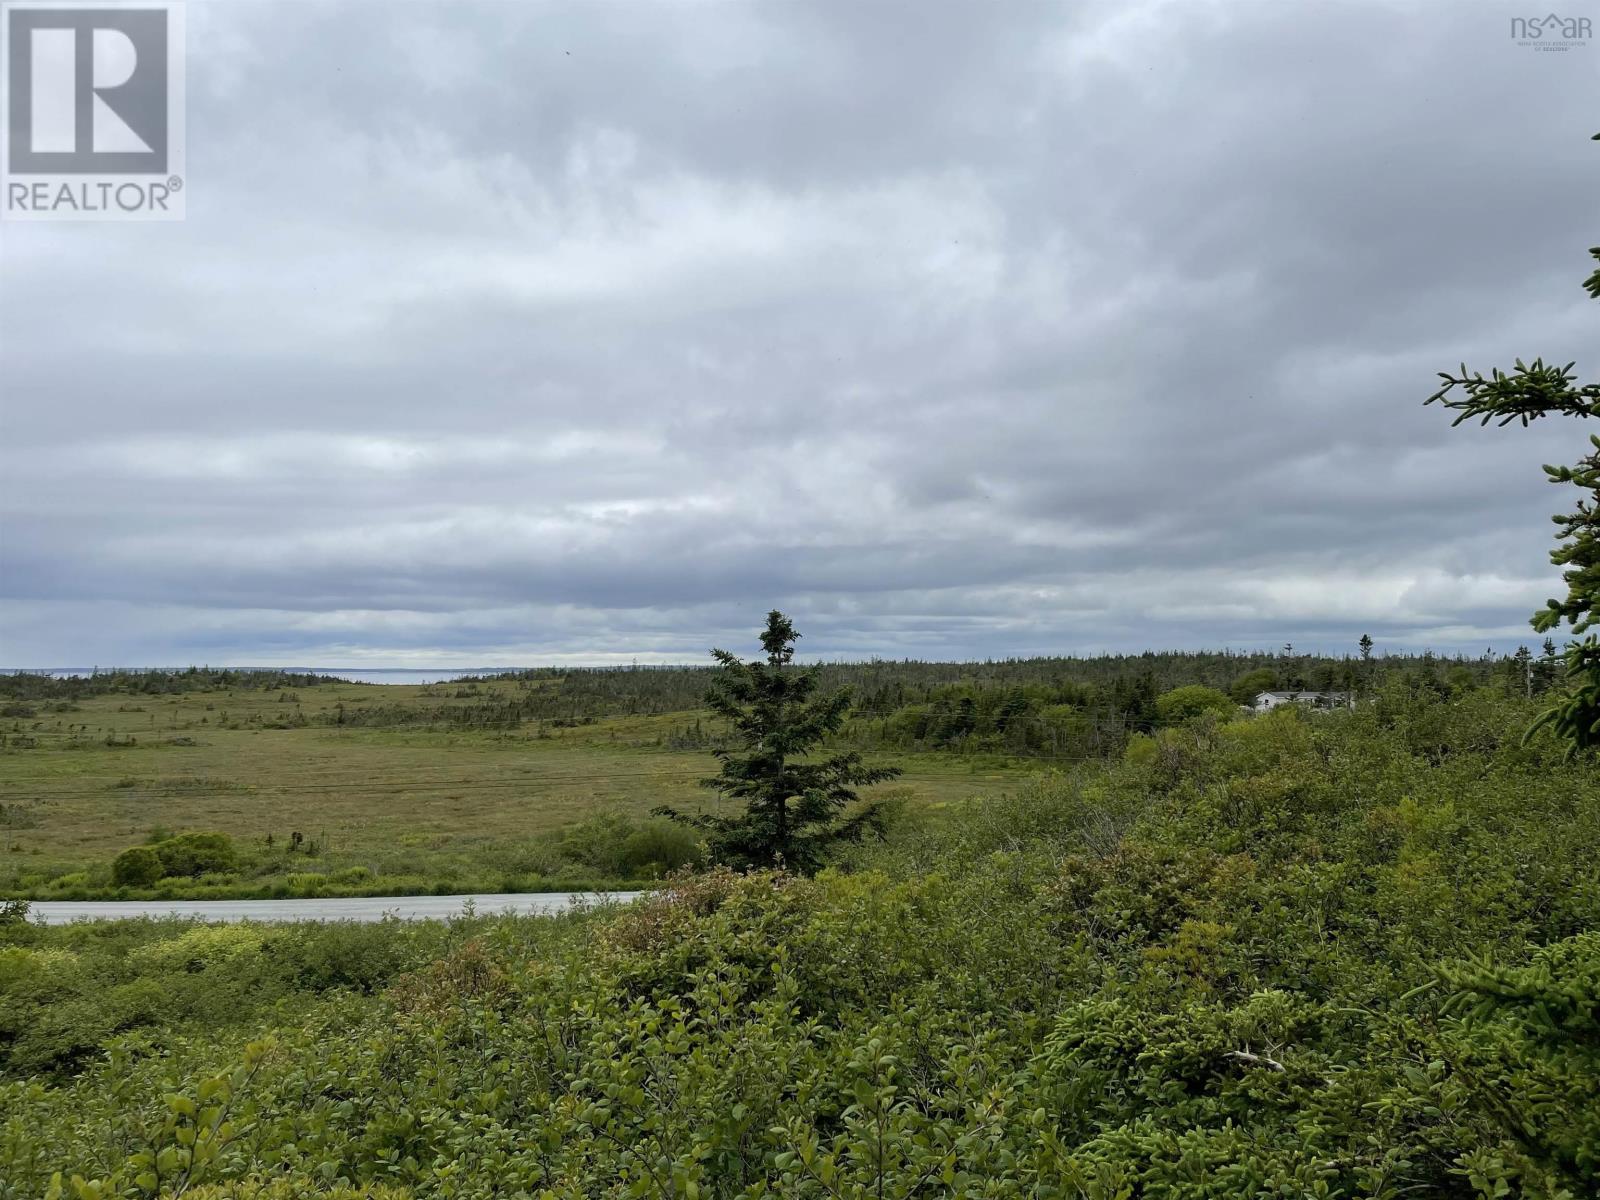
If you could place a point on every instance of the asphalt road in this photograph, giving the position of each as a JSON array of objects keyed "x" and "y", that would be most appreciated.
[{"x": 359, "y": 908}]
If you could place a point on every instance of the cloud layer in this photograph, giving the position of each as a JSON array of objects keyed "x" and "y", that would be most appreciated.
[{"x": 505, "y": 333}]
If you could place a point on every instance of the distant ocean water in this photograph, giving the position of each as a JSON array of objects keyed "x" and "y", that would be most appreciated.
[{"x": 354, "y": 674}]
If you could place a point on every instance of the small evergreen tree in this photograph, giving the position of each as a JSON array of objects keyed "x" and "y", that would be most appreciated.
[
  {"x": 1548, "y": 668},
  {"x": 793, "y": 809},
  {"x": 1531, "y": 392}
]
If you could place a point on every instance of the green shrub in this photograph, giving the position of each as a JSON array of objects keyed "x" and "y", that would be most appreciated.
[
  {"x": 195, "y": 854},
  {"x": 614, "y": 846},
  {"x": 203, "y": 947},
  {"x": 655, "y": 848},
  {"x": 1185, "y": 703},
  {"x": 138, "y": 866}
]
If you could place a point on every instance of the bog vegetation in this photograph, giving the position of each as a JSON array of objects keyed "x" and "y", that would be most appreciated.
[
  {"x": 546, "y": 780},
  {"x": 1344, "y": 954}
]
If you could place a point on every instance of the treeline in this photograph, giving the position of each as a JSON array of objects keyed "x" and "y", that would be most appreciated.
[
  {"x": 545, "y": 693},
  {"x": 882, "y": 685},
  {"x": 490, "y": 711},
  {"x": 1081, "y": 718},
  {"x": 31, "y": 685},
  {"x": 1056, "y": 708}
]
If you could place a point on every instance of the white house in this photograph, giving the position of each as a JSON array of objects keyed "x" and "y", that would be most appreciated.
[{"x": 1267, "y": 701}]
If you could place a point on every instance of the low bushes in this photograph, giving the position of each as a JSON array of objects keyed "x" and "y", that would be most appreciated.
[
  {"x": 196, "y": 854},
  {"x": 138, "y": 866},
  {"x": 610, "y": 851},
  {"x": 612, "y": 845},
  {"x": 1349, "y": 955},
  {"x": 188, "y": 855},
  {"x": 67, "y": 993}
]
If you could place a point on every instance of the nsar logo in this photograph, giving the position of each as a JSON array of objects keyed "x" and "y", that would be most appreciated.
[{"x": 1551, "y": 32}]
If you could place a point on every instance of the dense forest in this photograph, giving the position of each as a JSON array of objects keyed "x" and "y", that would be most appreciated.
[{"x": 1335, "y": 955}]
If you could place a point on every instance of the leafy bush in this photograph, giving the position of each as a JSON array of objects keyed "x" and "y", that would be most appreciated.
[
  {"x": 137, "y": 866},
  {"x": 68, "y": 993},
  {"x": 186, "y": 856},
  {"x": 655, "y": 848},
  {"x": 195, "y": 854},
  {"x": 1186, "y": 703},
  {"x": 202, "y": 948},
  {"x": 613, "y": 845}
]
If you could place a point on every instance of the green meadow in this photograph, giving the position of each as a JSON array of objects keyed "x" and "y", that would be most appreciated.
[{"x": 342, "y": 788}]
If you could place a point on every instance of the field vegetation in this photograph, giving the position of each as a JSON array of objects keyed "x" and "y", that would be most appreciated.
[
  {"x": 357, "y": 789},
  {"x": 544, "y": 780},
  {"x": 1338, "y": 955}
]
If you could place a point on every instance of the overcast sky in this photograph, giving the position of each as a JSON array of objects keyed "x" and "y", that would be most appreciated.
[{"x": 505, "y": 333}]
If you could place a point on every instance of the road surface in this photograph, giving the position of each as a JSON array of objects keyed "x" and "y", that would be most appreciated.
[{"x": 356, "y": 908}]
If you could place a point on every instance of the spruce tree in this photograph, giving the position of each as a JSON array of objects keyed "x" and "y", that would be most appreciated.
[
  {"x": 1548, "y": 666},
  {"x": 1522, "y": 670},
  {"x": 793, "y": 808},
  {"x": 1525, "y": 395}
]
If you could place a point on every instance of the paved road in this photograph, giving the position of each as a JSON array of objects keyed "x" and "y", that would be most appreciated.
[{"x": 360, "y": 908}]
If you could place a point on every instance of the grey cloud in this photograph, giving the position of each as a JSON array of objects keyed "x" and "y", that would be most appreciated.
[{"x": 959, "y": 329}]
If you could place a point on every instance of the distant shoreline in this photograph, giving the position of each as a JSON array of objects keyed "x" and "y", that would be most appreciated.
[{"x": 377, "y": 675}]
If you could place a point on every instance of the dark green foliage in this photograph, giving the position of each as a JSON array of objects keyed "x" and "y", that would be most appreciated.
[
  {"x": 1525, "y": 395},
  {"x": 1248, "y": 686},
  {"x": 31, "y": 685},
  {"x": 612, "y": 846},
  {"x": 188, "y": 855},
  {"x": 1530, "y": 1048},
  {"x": 137, "y": 866},
  {"x": 194, "y": 854},
  {"x": 792, "y": 807},
  {"x": 67, "y": 993}
]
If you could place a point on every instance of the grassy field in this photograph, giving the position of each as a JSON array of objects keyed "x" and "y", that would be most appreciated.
[{"x": 411, "y": 794}]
